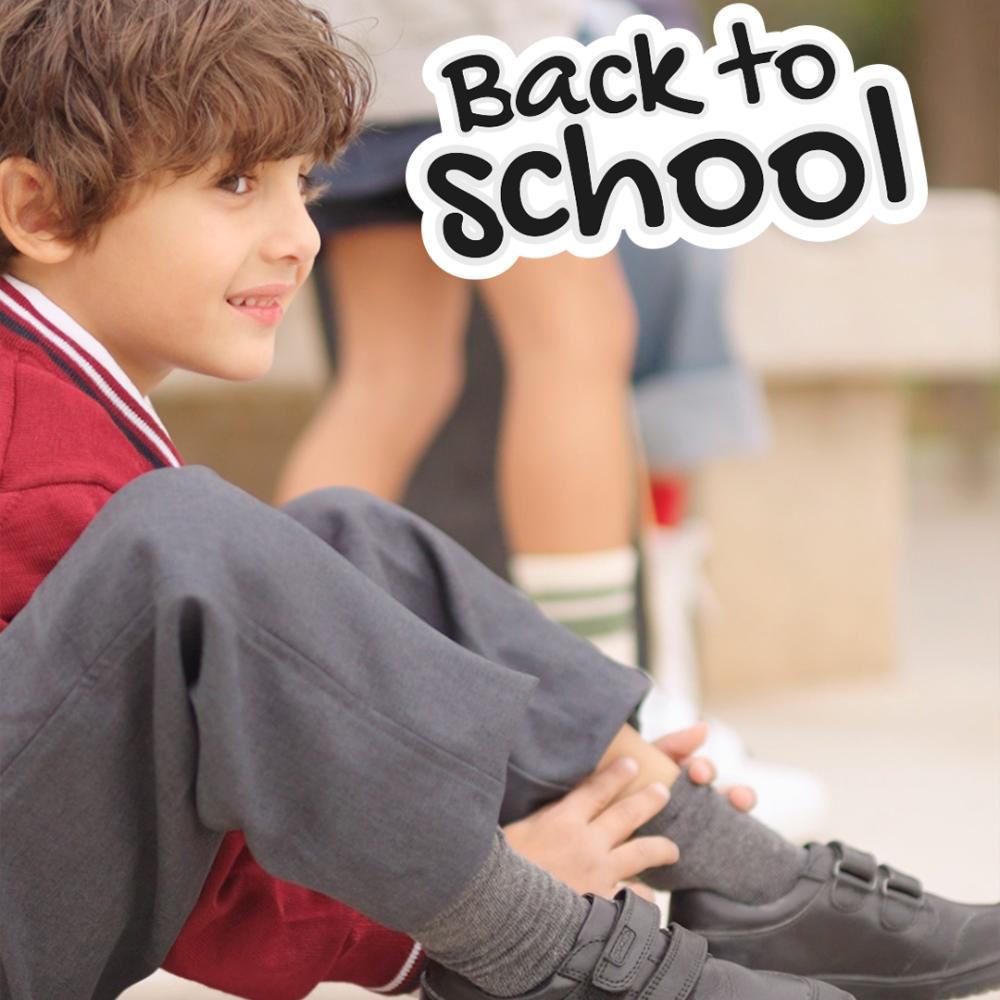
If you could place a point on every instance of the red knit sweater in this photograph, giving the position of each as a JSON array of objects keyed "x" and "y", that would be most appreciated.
[{"x": 73, "y": 430}]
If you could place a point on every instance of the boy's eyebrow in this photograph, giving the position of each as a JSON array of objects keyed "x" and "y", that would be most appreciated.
[
  {"x": 223, "y": 164},
  {"x": 217, "y": 164}
]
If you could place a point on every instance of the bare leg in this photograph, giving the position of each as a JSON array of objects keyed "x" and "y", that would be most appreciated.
[
  {"x": 566, "y": 464},
  {"x": 401, "y": 322}
]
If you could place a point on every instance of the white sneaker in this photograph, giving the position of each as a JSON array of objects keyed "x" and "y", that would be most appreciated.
[{"x": 789, "y": 799}]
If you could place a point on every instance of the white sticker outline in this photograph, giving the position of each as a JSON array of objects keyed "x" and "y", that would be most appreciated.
[{"x": 841, "y": 110}]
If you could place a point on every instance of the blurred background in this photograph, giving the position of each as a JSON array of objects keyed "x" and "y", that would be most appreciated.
[{"x": 846, "y": 615}]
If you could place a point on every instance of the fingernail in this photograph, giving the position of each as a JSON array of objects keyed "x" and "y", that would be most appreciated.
[
  {"x": 661, "y": 789},
  {"x": 629, "y": 764}
]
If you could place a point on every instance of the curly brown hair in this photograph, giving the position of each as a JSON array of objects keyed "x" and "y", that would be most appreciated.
[{"x": 105, "y": 95}]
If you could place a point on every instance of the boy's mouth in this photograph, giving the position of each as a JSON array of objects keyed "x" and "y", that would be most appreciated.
[
  {"x": 266, "y": 311},
  {"x": 262, "y": 302},
  {"x": 253, "y": 300}
]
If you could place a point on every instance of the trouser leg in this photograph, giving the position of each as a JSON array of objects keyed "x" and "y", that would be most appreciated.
[
  {"x": 582, "y": 699},
  {"x": 199, "y": 662}
]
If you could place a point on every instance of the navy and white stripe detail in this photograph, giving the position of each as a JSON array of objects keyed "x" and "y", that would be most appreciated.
[{"x": 32, "y": 316}]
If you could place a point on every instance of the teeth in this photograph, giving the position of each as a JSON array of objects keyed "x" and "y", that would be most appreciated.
[{"x": 253, "y": 302}]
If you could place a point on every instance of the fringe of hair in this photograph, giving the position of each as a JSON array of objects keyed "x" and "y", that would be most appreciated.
[{"x": 106, "y": 95}]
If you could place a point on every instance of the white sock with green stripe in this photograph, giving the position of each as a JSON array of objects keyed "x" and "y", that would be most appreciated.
[{"x": 590, "y": 593}]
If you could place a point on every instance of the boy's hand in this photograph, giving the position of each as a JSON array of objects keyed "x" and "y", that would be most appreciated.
[
  {"x": 583, "y": 838},
  {"x": 680, "y": 748}
]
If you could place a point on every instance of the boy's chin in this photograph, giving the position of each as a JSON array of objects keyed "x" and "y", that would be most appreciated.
[{"x": 243, "y": 369}]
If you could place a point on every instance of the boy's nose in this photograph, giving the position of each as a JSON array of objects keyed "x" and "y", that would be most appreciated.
[{"x": 294, "y": 235}]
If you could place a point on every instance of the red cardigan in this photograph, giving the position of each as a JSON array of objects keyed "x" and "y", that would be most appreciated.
[{"x": 71, "y": 434}]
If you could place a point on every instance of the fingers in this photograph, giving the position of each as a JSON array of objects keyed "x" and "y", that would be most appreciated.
[
  {"x": 620, "y": 820},
  {"x": 701, "y": 771},
  {"x": 740, "y": 797},
  {"x": 597, "y": 791},
  {"x": 635, "y": 857},
  {"x": 680, "y": 745}
]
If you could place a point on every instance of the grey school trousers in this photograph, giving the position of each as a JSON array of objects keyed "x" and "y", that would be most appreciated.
[{"x": 337, "y": 679}]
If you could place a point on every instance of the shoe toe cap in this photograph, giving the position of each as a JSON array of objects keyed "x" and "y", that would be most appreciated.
[
  {"x": 747, "y": 984},
  {"x": 981, "y": 930}
]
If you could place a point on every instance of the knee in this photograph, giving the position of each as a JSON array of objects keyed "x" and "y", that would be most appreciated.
[
  {"x": 357, "y": 524},
  {"x": 173, "y": 516},
  {"x": 604, "y": 350},
  {"x": 170, "y": 496},
  {"x": 417, "y": 380},
  {"x": 328, "y": 510},
  {"x": 194, "y": 510}
]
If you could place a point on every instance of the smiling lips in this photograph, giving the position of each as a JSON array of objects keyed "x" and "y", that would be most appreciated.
[
  {"x": 262, "y": 295},
  {"x": 263, "y": 303},
  {"x": 268, "y": 314}
]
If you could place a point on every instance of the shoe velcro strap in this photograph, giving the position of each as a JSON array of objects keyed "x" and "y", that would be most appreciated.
[
  {"x": 680, "y": 970},
  {"x": 898, "y": 882},
  {"x": 630, "y": 942},
  {"x": 860, "y": 864}
]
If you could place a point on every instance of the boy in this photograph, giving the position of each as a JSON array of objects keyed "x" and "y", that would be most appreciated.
[{"x": 336, "y": 682}]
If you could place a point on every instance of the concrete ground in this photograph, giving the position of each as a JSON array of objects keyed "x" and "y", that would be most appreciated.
[{"x": 913, "y": 760}]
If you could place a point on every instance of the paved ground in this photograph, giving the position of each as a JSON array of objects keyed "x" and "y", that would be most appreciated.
[{"x": 913, "y": 760}]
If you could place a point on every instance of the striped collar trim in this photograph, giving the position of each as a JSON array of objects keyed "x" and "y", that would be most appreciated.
[{"x": 90, "y": 361}]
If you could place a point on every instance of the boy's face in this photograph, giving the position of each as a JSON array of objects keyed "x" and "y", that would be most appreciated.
[{"x": 154, "y": 289}]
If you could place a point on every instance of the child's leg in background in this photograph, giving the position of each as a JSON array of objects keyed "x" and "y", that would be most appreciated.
[
  {"x": 567, "y": 475},
  {"x": 401, "y": 322}
]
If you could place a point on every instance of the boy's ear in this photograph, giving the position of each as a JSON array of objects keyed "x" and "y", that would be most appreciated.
[{"x": 27, "y": 212}]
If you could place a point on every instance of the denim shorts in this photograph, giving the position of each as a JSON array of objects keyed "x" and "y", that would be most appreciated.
[
  {"x": 368, "y": 185},
  {"x": 695, "y": 400}
]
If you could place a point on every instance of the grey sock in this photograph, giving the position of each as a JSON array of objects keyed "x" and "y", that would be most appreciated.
[
  {"x": 511, "y": 928},
  {"x": 721, "y": 849}
]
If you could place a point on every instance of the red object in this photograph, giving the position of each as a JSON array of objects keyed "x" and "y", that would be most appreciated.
[
  {"x": 70, "y": 436},
  {"x": 669, "y": 499}
]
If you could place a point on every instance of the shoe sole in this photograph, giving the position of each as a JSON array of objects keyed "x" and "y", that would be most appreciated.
[{"x": 968, "y": 983}]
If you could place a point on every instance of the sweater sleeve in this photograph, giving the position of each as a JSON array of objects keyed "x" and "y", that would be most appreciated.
[
  {"x": 37, "y": 526},
  {"x": 258, "y": 937}
]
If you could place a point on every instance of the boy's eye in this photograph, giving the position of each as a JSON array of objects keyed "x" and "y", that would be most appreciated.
[
  {"x": 311, "y": 190},
  {"x": 227, "y": 182}
]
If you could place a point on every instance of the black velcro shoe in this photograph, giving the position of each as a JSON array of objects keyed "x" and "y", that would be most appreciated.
[
  {"x": 863, "y": 926},
  {"x": 622, "y": 954}
]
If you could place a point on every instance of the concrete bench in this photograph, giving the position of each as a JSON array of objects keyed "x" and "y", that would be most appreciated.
[{"x": 807, "y": 537}]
